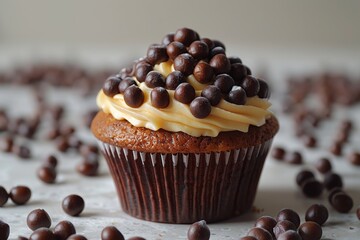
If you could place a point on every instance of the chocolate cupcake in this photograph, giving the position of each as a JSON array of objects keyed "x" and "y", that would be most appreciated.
[{"x": 185, "y": 131}]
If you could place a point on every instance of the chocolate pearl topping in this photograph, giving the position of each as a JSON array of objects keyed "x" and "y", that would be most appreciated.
[
  {"x": 184, "y": 63},
  {"x": 264, "y": 91},
  {"x": 215, "y": 51},
  {"x": 317, "y": 213},
  {"x": 110, "y": 87},
  {"x": 234, "y": 60},
  {"x": 141, "y": 70},
  {"x": 157, "y": 54},
  {"x": 237, "y": 96},
  {"x": 218, "y": 43},
  {"x": 186, "y": 36},
  {"x": 220, "y": 63},
  {"x": 174, "y": 79},
  {"x": 198, "y": 49},
  {"x": 159, "y": 97},
  {"x": 224, "y": 82},
  {"x": 174, "y": 49},
  {"x": 208, "y": 42},
  {"x": 154, "y": 79},
  {"x": 184, "y": 93},
  {"x": 212, "y": 93},
  {"x": 251, "y": 86},
  {"x": 200, "y": 107},
  {"x": 133, "y": 96},
  {"x": 125, "y": 83},
  {"x": 203, "y": 72},
  {"x": 168, "y": 38}
]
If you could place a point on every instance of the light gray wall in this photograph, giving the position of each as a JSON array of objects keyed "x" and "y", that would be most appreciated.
[{"x": 110, "y": 22}]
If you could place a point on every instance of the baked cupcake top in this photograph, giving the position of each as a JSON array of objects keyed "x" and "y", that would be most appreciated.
[{"x": 187, "y": 84}]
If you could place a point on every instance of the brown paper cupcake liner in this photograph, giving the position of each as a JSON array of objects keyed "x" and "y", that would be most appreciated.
[{"x": 186, "y": 187}]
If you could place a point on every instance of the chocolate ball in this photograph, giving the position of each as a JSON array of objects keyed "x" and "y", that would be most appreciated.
[
  {"x": 20, "y": 195},
  {"x": 312, "y": 188},
  {"x": 4, "y": 196},
  {"x": 290, "y": 215},
  {"x": 4, "y": 230},
  {"x": 317, "y": 213},
  {"x": 174, "y": 79},
  {"x": 51, "y": 161},
  {"x": 332, "y": 180},
  {"x": 159, "y": 97},
  {"x": 42, "y": 234},
  {"x": 304, "y": 175},
  {"x": 234, "y": 60},
  {"x": 134, "y": 96},
  {"x": 184, "y": 93},
  {"x": 89, "y": 166},
  {"x": 47, "y": 174},
  {"x": 199, "y": 50},
  {"x": 154, "y": 79},
  {"x": 264, "y": 91},
  {"x": 77, "y": 237},
  {"x": 342, "y": 202},
  {"x": 237, "y": 96},
  {"x": 220, "y": 63},
  {"x": 333, "y": 191},
  {"x": 184, "y": 63},
  {"x": 167, "y": 39},
  {"x": 186, "y": 36},
  {"x": 289, "y": 235},
  {"x": 294, "y": 158},
  {"x": 141, "y": 70},
  {"x": 156, "y": 54},
  {"x": 125, "y": 83},
  {"x": 218, "y": 43},
  {"x": 73, "y": 205},
  {"x": 260, "y": 233},
  {"x": 208, "y": 42},
  {"x": 266, "y": 222},
  {"x": 213, "y": 94},
  {"x": 238, "y": 72},
  {"x": 310, "y": 231},
  {"x": 111, "y": 233},
  {"x": 323, "y": 165},
  {"x": 251, "y": 86},
  {"x": 203, "y": 72},
  {"x": 215, "y": 51},
  {"x": 110, "y": 87},
  {"x": 283, "y": 226},
  {"x": 198, "y": 231},
  {"x": 278, "y": 153},
  {"x": 200, "y": 107},
  {"x": 63, "y": 230},
  {"x": 358, "y": 212},
  {"x": 38, "y": 218},
  {"x": 224, "y": 82},
  {"x": 174, "y": 49}
]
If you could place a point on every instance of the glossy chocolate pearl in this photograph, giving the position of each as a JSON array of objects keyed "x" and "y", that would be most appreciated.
[
  {"x": 213, "y": 94},
  {"x": 260, "y": 233},
  {"x": 294, "y": 158},
  {"x": 304, "y": 175},
  {"x": 289, "y": 235},
  {"x": 203, "y": 72},
  {"x": 290, "y": 215},
  {"x": 200, "y": 107},
  {"x": 174, "y": 49},
  {"x": 218, "y": 43},
  {"x": 251, "y": 86},
  {"x": 310, "y": 231},
  {"x": 215, "y": 51},
  {"x": 234, "y": 60},
  {"x": 266, "y": 222},
  {"x": 89, "y": 166},
  {"x": 4, "y": 230},
  {"x": 141, "y": 70},
  {"x": 199, "y": 50},
  {"x": 198, "y": 231},
  {"x": 332, "y": 180},
  {"x": 73, "y": 205},
  {"x": 184, "y": 63},
  {"x": 110, "y": 87},
  {"x": 238, "y": 72},
  {"x": 42, "y": 234},
  {"x": 264, "y": 91},
  {"x": 154, "y": 79},
  {"x": 224, "y": 82},
  {"x": 38, "y": 218},
  {"x": 342, "y": 202},
  {"x": 134, "y": 96},
  {"x": 278, "y": 153},
  {"x": 51, "y": 161},
  {"x": 184, "y": 93},
  {"x": 312, "y": 188},
  {"x": 317, "y": 213},
  {"x": 323, "y": 165},
  {"x": 136, "y": 238},
  {"x": 156, "y": 54},
  {"x": 333, "y": 191},
  {"x": 4, "y": 196},
  {"x": 63, "y": 230},
  {"x": 174, "y": 79},
  {"x": 237, "y": 96},
  {"x": 220, "y": 63},
  {"x": 208, "y": 42},
  {"x": 20, "y": 195},
  {"x": 283, "y": 226},
  {"x": 125, "y": 83},
  {"x": 248, "y": 238},
  {"x": 46, "y": 174},
  {"x": 111, "y": 233},
  {"x": 186, "y": 36},
  {"x": 159, "y": 97},
  {"x": 76, "y": 237},
  {"x": 167, "y": 39}
]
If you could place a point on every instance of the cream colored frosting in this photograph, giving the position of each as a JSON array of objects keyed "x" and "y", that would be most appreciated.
[{"x": 177, "y": 116}]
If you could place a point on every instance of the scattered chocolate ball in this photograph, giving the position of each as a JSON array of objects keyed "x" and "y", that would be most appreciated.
[
  {"x": 278, "y": 153},
  {"x": 22, "y": 238},
  {"x": 62, "y": 144},
  {"x": 50, "y": 161},
  {"x": 310, "y": 231},
  {"x": 237, "y": 96},
  {"x": 342, "y": 202},
  {"x": 290, "y": 215},
  {"x": 38, "y": 218},
  {"x": 309, "y": 141},
  {"x": 260, "y": 233},
  {"x": 317, "y": 213},
  {"x": 47, "y": 174},
  {"x": 294, "y": 158},
  {"x": 358, "y": 212},
  {"x": 20, "y": 195},
  {"x": 354, "y": 158},
  {"x": 73, "y": 205},
  {"x": 22, "y": 151},
  {"x": 174, "y": 49},
  {"x": 264, "y": 91},
  {"x": 4, "y": 230},
  {"x": 136, "y": 238},
  {"x": 154, "y": 79},
  {"x": 224, "y": 82},
  {"x": 289, "y": 235},
  {"x": 283, "y": 226},
  {"x": 199, "y": 50},
  {"x": 186, "y": 36},
  {"x": 76, "y": 237},
  {"x": 63, "y": 230},
  {"x": 185, "y": 93},
  {"x": 336, "y": 148},
  {"x": 198, "y": 231},
  {"x": 213, "y": 94},
  {"x": 203, "y": 72},
  {"x": 312, "y": 188},
  {"x": 304, "y": 175},
  {"x": 159, "y": 97},
  {"x": 266, "y": 222},
  {"x": 4, "y": 196},
  {"x": 323, "y": 165},
  {"x": 168, "y": 38},
  {"x": 333, "y": 191},
  {"x": 111, "y": 86},
  {"x": 156, "y": 54},
  {"x": 125, "y": 83},
  {"x": 220, "y": 63},
  {"x": 134, "y": 96},
  {"x": 111, "y": 233},
  {"x": 250, "y": 85},
  {"x": 238, "y": 72},
  {"x": 174, "y": 79},
  {"x": 200, "y": 107},
  {"x": 141, "y": 70},
  {"x": 89, "y": 166},
  {"x": 42, "y": 234},
  {"x": 332, "y": 180},
  {"x": 184, "y": 63}
]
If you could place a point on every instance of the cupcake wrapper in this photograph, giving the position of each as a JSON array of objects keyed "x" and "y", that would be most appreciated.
[{"x": 186, "y": 187}]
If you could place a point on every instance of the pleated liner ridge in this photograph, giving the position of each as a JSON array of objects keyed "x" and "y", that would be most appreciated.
[{"x": 184, "y": 188}]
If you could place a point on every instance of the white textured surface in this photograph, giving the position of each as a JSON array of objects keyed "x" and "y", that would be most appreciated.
[{"x": 277, "y": 186}]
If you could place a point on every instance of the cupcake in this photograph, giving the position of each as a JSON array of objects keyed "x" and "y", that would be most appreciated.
[{"x": 185, "y": 131}]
